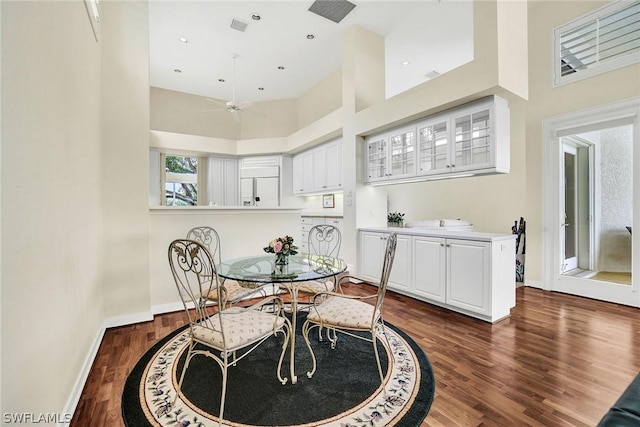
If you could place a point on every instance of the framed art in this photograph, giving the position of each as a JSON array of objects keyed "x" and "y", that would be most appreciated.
[{"x": 328, "y": 201}]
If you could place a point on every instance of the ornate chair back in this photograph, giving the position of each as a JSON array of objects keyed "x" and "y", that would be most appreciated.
[
  {"x": 194, "y": 273},
  {"x": 389, "y": 255},
  {"x": 324, "y": 240}
]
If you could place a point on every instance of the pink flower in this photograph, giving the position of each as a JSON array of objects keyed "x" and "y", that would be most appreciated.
[{"x": 277, "y": 247}]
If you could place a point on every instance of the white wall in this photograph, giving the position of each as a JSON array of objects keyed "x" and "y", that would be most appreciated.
[
  {"x": 616, "y": 203},
  {"x": 52, "y": 271},
  {"x": 546, "y": 101},
  {"x": 125, "y": 153}
]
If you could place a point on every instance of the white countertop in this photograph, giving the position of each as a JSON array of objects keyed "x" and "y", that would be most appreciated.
[
  {"x": 447, "y": 234},
  {"x": 223, "y": 208},
  {"x": 321, "y": 214}
]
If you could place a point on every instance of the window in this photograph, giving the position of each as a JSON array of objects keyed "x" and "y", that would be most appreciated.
[
  {"x": 607, "y": 39},
  {"x": 181, "y": 180}
]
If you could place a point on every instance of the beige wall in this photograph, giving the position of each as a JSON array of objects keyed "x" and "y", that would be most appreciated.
[
  {"x": 125, "y": 154},
  {"x": 52, "y": 239},
  {"x": 185, "y": 113},
  {"x": 322, "y": 99},
  {"x": 546, "y": 101}
]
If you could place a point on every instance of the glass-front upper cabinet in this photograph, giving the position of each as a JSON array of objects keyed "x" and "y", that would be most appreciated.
[
  {"x": 467, "y": 140},
  {"x": 403, "y": 152},
  {"x": 472, "y": 146},
  {"x": 433, "y": 146},
  {"x": 377, "y": 159},
  {"x": 392, "y": 155}
]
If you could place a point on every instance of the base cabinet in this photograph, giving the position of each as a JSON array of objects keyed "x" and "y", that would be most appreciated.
[{"x": 473, "y": 277}]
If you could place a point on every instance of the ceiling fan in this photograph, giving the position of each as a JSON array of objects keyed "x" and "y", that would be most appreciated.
[{"x": 234, "y": 107}]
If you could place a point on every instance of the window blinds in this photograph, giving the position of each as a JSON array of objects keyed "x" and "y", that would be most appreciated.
[{"x": 599, "y": 39}]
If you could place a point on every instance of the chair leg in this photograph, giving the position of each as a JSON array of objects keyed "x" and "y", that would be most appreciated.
[
  {"x": 285, "y": 342},
  {"x": 305, "y": 333},
  {"x": 375, "y": 350},
  {"x": 184, "y": 370},
  {"x": 224, "y": 392}
]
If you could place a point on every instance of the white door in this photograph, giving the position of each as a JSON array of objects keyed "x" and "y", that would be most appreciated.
[
  {"x": 614, "y": 131},
  {"x": 569, "y": 202}
]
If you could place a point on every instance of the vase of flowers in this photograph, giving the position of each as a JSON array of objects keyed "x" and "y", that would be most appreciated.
[{"x": 282, "y": 247}]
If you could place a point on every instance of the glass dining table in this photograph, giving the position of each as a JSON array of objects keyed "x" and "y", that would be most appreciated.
[{"x": 259, "y": 271}]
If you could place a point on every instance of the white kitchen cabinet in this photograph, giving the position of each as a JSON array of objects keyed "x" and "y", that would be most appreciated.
[
  {"x": 223, "y": 181},
  {"x": 429, "y": 261},
  {"x": 319, "y": 169},
  {"x": 468, "y": 278},
  {"x": 472, "y": 273},
  {"x": 373, "y": 247},
  {"x": 392, "y": 155},
  {"x": 467, "y": 140}
]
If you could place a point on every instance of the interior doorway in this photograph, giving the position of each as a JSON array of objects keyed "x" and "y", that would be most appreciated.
[{"x": 591, "y": 203}]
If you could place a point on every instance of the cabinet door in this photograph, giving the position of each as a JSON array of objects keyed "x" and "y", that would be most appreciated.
[
  {"x": 307, "y": 172},
  {"x": 231, "y": 182},
  {"x": 371, "y": 255},
  {"x": 334, "y": 165},
  {"x": 298, "y": 187},
  {"x": 402, "y": 150},
  {"x": 319, "y": 172},
  {"x": 377, "y": 159},
  {"x": 433, "y": 147},
  {"x": 429, "y": 267},
  {"x": 400, "y": 277},
  {"x": 468, "y": 275},
  {"x": 472, "y": 146}
]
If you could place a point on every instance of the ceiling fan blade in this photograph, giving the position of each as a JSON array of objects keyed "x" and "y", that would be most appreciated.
[
  {"x": 244, "y": 105},
  {"x": 236, "y": 116},
  {"x": 213, "y": 111},
  {"x": 254, "y": 112}
]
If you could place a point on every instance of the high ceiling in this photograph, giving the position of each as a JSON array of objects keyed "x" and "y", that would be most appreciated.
[{"x": 431, "y": 35}]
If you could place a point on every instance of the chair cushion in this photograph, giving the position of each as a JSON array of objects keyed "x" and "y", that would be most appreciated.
[
  {"x": 241, "y": 326},
  {"x": 234, "y": 291},
  {"x": 343, "y": 312},
  {"x": 315, "y": 286}
]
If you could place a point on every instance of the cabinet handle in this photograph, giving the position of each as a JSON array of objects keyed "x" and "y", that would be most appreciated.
[
  {"x": 448, "y": 166},
  {"x": 324, "y": 186},
  {"x": 453, "y": 166},
  {"x": 442, "y": 245}
]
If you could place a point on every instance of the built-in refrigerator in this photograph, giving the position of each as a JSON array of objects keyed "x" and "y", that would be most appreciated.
[{"x": 260, "y": 186}]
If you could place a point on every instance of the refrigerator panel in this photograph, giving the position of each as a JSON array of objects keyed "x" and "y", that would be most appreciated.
[
  {"x": 267, "y": 192},
  {"x": 246, "y": 191}
]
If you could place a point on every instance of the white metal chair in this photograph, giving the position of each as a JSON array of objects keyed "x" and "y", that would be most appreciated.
[
  {"x": 232, "y": 290},
  {"x": 323, "y": 244},
  {"x": 348, "y": 314},
  {"x": 232, "y": 332}
]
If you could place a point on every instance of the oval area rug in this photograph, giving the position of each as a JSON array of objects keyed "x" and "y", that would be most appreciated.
[{"x": 344, "y": 391}]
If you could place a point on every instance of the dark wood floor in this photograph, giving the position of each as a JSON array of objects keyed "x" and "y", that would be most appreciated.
[{"x": 558, "y": 360}]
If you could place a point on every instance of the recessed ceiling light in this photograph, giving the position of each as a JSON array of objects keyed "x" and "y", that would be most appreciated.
[
  {"x": 221, "y": 80},
  {"x": 183, "y": 40},
  {"x": 310, "y": 36},
  {"x": 177, "y": 70},
  {"x": 280, "y": 67},
  {"x": 405, "y": 62},
  {"x": 256, "y": 17},
  {"x": 260, "y": 88}
]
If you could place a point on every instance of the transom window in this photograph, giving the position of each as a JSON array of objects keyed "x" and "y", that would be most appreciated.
[{"x": 604, "y": 40}]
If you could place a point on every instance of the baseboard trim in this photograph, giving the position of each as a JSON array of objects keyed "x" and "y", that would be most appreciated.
[
  {"x": 74, "y": 398},
  {"x": 129, "y": 319},
  {"x": 534, "y": 284}
]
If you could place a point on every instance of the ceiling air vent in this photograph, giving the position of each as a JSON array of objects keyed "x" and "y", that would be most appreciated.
[
  {"x": 334, "y": 10},
  {"x": 237, "y": 24}
]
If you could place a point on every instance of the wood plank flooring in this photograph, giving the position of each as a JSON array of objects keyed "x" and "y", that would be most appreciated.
[{"x": 559, "y": 360}]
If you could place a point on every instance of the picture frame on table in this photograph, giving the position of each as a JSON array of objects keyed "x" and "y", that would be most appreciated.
[{"x": 328, "y": 201}]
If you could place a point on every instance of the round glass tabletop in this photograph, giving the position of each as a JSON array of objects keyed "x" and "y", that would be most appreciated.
[{"x": 263, "y": 268}]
